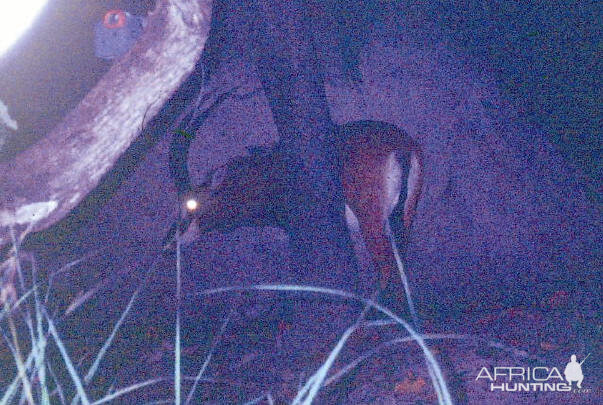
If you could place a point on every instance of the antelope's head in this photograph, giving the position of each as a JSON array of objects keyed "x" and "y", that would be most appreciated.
[{"x": 195, "y": 213}]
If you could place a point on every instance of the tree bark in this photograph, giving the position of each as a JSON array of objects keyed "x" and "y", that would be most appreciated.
[{"x": 41, "y": 185}]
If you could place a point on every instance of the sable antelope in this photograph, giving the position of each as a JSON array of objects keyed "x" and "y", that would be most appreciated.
[{"x": 251, "y": 190}]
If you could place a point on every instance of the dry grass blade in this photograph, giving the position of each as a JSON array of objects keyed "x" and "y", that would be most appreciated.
[
  {"x": 435, "y": 372},
  {"x": 12, "y": 388},
  {"x": 126, "y": 390},
  {"x": 83, "y": 297},
  {"x": 67, "y": 360},
  {"x": 315, "y": 382},
  {"x": 208, "y": 357},
  {"x": 19, "y": 358}
]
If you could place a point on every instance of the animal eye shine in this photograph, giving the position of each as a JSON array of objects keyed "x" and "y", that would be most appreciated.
[{"x": 192, "y": 204}]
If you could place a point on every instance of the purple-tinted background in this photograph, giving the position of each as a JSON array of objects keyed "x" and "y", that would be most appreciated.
[{"x": 487, "y": 90}]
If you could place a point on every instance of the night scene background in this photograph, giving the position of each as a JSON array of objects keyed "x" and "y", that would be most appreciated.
[{"x": 503, "y": 257}]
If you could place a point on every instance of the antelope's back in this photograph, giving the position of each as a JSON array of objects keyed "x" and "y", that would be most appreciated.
[{"x": 253, "y": 189}]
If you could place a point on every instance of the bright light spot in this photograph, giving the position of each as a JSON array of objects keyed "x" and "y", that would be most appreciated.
[
  {"x": 15, "y": 18},
  {"x": 192, "y": 204}
]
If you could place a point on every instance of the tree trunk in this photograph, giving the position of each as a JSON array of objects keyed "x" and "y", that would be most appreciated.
[
  {"x": 292, "y": 81},
  {"x": 41, "y": 185}
]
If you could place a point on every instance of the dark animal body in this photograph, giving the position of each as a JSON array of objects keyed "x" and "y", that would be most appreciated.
[
  {"x": 255, "y": 190},
  {"x": 247, "y": 191}
]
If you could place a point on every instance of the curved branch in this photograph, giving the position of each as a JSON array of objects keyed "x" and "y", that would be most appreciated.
[{"x": 44, "y": 183}]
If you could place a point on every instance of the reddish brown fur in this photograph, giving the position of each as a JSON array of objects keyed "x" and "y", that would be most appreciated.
[
  {"x": 371, "y": 185},
  {"x": 254, "y": 192}
]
